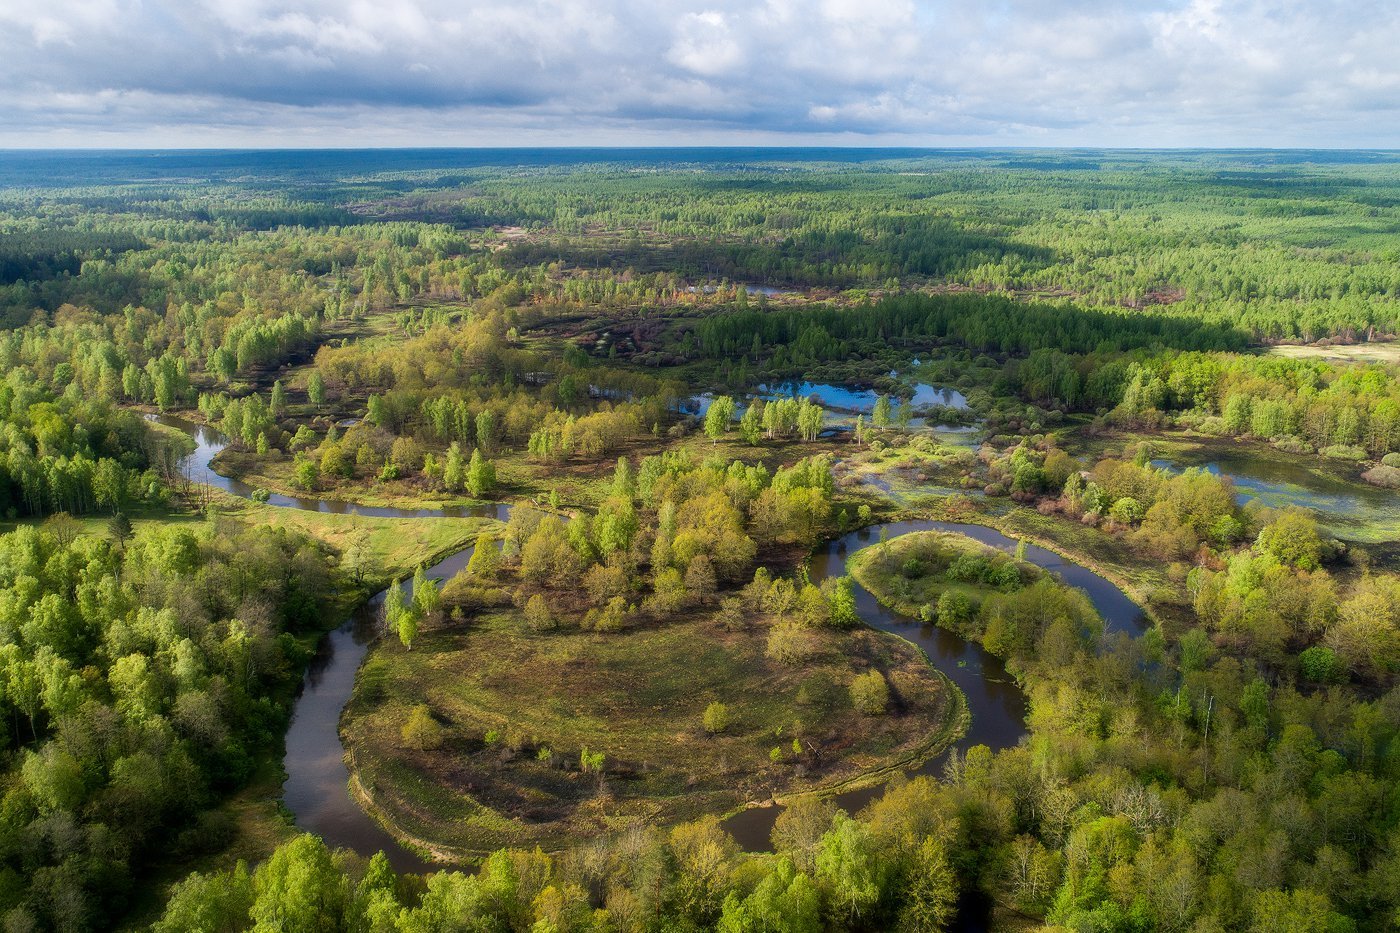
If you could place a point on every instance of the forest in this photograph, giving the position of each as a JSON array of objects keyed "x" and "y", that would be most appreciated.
[{"x": 700, "y": 540}]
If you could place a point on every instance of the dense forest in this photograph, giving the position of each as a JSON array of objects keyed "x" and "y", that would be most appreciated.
[{"x": 586, "y": 439}]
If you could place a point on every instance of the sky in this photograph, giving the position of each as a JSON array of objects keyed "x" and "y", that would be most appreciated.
[{"x": 329, "y": 73}]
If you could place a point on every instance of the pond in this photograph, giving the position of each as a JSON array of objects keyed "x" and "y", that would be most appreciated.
[{"x": 1352, "y": 511}]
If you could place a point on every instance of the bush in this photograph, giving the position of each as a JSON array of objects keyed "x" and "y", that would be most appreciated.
[
  {"x": 870, "y": 694},
  {"x": 1293, "y": 444},
  {"x": 1005, "y": 576},
  {"x": 611, "y": 618},
  {"x": 1391, "y": 460},
  {"x": 1126, "y": 511},
  {"x": 967, "y": 568},
  {"x": 1348, "y": 452},
  {"x": 1320, "y": 665},
  {"x": 538, "y": 618},
  {"x": 716, "y": 718},
  {"x": 1387, "y": 476},
  {"x": 422, "y": 731},
  {"x": 791, "y": 643},
  {"x": 954, "y": 610},
  {"x": 913, "y": 568}
]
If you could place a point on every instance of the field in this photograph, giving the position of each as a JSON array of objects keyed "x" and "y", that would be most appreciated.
[
  {"x": 1388, "y": 352},
  {"x": 519, "y": 709}
]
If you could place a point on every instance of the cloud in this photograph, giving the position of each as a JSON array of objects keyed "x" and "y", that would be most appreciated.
[{"x": 347, "y": 72}]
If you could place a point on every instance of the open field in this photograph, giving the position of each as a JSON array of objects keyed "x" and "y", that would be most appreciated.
[
  {"x": 380, "y": 549},
  {"x": 1342, "y": 353}
]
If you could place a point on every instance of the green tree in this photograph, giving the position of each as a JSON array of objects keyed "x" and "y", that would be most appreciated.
[
  {"x": 306, "y": 473},
  {"x": 851, "y": 870},
  {"x": 841, "y": 602},
  {"x": 538, "y": 618},
  {"x": 486, "y": 558},
  {"x": 751, "y": 423},
  {"x": 119, "y": 529},
  {"x": 299, "y": 889},
  {"x": 930, "y": 895},
  {"x": 1293, "y": 538},
  {"x": 785, "y": 900},
  {"x": 210, "y": 903},
  {"x": 716, "y": 718},
  {"x": 453, "y": 469},
  {"x": 870, "y": 693},
  {"x": 880, "y": 415},
  {"x": 407, "y": 626},
  {"x": 393, "y": 607},
  {"x": 718, "y": 418},
  {"x": 422, "y": 731},
  {"x": 481, "y": 475},
  {"x": 427, "y": 599},
  {"x": 316, "y": 388}
]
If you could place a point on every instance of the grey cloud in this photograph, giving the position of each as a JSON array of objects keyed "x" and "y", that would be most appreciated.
[{"x": 1207, "y": 72}]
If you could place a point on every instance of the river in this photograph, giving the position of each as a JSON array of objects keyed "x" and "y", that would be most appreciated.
[{"x": 316, "y": 791}]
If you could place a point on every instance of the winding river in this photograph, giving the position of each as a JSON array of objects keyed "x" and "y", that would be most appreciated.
[{"x": 316, "y": 791}]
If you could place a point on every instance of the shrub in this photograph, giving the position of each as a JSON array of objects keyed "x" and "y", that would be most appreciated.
[
  {"x": 913, "y": 568},
  {"x": 1391, "y": 460},
  {"x": 791, "y": 643},
  {"x": 967, "y": 568},
  {"x": 716, "y": 718},
  {"x": 538, "y": 618},
  {"x": 1320, "y": 665},
  {"x": 954, "y": 610},
  {"x": 1293, "y": 444},
  {"x": 1005, "y": 576},
  {"x": 1347, "y": 452},
  {"x": 870, "y": 693},
  {"x": 611, "y": 618},
  {"x": 1383, "y": 475},
  {"x": 422, "y": 731},
  {"x": 1126, "y": 511}
]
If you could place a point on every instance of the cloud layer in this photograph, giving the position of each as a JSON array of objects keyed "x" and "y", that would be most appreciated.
[{"x": 491, "y": 72}]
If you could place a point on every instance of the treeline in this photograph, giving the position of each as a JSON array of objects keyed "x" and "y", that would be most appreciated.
[
  {"x": 1257, "y": 581},
  {"x": 1346, "y": 411},
  {"x": 790, "y": 339},
  {"x": 141, "y": 678},
  {"x": 885, "y": 247},
  {"x": 1349, "y": 412},
  {"x": 1282, "y": 253},
  {"x": 40, "y": 254}
]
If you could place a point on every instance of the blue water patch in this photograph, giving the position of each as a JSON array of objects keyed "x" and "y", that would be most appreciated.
[{"x": 1350, "y": 511}]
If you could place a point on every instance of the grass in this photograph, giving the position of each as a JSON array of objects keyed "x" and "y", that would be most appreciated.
[
  {"x": 393, "y": 546},
  {"x": 637, "y": 697},
  {"x": 1349, "y": 353},
  {"x": 903, "y": 474}
]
